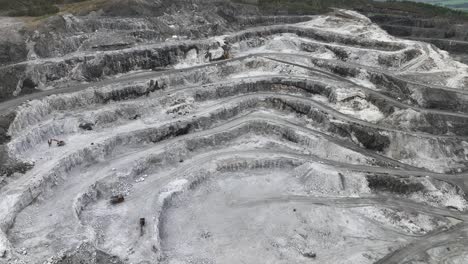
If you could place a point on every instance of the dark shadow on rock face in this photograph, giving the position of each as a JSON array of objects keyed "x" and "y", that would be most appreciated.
[
  {"x": 28, "y": 86},
  {"x": 11, "y": 52},
  {"x": 9, "y": 166},
  {"x": 5, "y": 122},
  {"x": 440, "y": 99},
  {"x": 388, "y": 183},
  {"x": 370, "y": 139}
]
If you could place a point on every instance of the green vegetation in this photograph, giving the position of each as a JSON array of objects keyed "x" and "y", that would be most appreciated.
[
  {"x": 320, "y": 6},
  {"x": 81, "y": 6},
  {"x": 29, "y": 7},
  {"x": 422, "y": 9},
  {"x": 458, "y": 4},
  {"x": 46, "y": 7},
  {"x": 35, "y": 8}
]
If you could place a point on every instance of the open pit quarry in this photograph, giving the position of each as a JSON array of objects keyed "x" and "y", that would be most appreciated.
[{"x": 314, "y": 139}]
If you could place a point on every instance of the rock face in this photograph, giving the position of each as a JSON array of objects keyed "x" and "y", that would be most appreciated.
[
  {"x": 13, "y": 46},
  {"x": 137, "y": 40},
  {"x": 260, "y": 140}
]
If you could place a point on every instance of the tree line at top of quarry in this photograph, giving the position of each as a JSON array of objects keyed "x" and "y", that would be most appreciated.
[
  {"x": 321, "y": 6},
  {"x": 458, "y": 4},
  {"x": 38, "y": 8}
]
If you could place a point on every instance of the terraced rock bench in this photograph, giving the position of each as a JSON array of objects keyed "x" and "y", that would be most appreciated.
[{"x": 320, "y": 139}]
